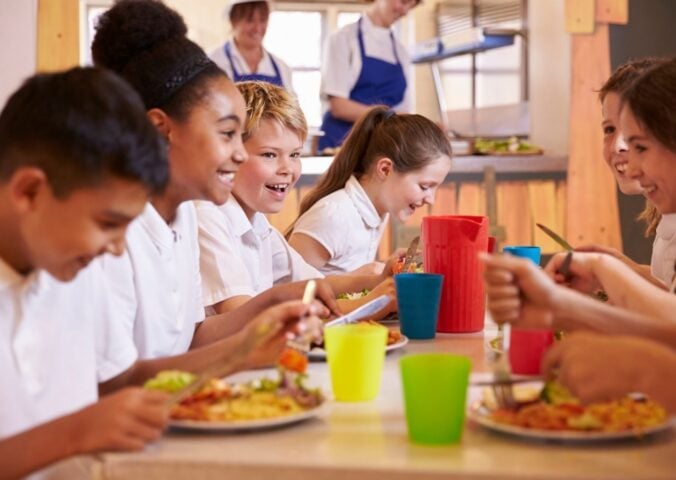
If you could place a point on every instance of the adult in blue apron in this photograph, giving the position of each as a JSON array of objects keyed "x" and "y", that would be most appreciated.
[
  {"x": 275, "y": 79},
  {"x": 243, "y": 57},
  {"x": 379, "y": 83}
]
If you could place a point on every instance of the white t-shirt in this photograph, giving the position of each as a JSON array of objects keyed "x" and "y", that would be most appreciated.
[
  {"x": 157, "y": 284},
  {"x": 53, "y": 349},
  {"x": 664, "y": 249},
  {"x": 242, "y": 257},
  {"x": 265, "y": 66},
  {"x": 347, "y": 225},
  {"x": 342, "y": 60}
]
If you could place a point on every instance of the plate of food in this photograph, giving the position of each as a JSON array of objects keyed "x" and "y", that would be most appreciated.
[
  {"x": 554, "y": 415},
  {"x": 260, "y": 403},
  {"x": 395, "y": 341}
]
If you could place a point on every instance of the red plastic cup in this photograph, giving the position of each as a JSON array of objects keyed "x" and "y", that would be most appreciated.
[
  {"x": 491, "y": 244},
  {"x": 451, "y": 247},
  {"x": 526, "y": 348}
]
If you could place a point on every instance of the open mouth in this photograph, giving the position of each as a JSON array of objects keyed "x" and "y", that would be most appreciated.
[
  {"x": 621, "y": 167},
  {"x": 225, "y": 176},
  {"x": 277, "y": 187},
  {"x": 648, "y": 189}
]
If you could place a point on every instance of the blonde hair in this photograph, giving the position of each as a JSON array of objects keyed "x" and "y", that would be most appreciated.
[{"x": 265, "y": 101}]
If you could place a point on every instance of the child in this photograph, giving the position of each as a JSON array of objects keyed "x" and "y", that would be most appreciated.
[
  {"x": 515, "y": 291},
  {"x": 615, "y": 155},
  {"x": 199, "y": 112},
  {"x": 390, "y": 164},
  {"x": 241, "y": 253},
  {"x": 78, "y": 160}
]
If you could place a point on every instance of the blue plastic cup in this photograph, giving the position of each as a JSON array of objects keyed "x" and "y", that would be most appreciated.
[
  {"x": 418, "y": 296},
  {"x": 524, "y": 251}
]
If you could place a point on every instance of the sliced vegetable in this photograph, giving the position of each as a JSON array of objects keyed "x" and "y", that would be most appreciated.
[{"x": 170, "y": 381}]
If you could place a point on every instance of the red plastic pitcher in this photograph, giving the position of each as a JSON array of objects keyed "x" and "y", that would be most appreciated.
[{"x": 451, "y": 247}]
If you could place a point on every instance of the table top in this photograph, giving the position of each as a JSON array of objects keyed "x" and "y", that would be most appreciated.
[{"x": 369, "y": 440}]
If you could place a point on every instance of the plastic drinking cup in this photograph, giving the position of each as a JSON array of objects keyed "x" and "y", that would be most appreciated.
[
  {"x": 524, "y": 251},
  {"x": 355, "y": 354},
  {"x": 418, "y": 296},
  {"x": 526, "y": 348},
  {"x": 435, "y": 392}
]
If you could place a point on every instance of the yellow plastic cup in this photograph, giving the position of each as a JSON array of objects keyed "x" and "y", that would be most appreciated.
[{"x": 355, "y": 354}]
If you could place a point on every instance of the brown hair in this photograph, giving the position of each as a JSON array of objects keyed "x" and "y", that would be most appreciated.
[
  {"x": 245, "y": 11},
  {"x": 652, "y": 100},
  {"x": 265, "y": 101},
  {"x": 411, "y": 141},
  {"x": 618, "y": 82}
]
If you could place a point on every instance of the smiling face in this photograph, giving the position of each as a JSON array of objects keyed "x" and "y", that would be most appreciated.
[
  {"x": 272, "y": 170},
  {"x": 403, "y": 193},
  {"x": 249, "y": 32},
  {"x": 614, "y": 146},
  {"x": 205, "y": 149},
  {"x": 650, "y": 163},
  {"x": 62, "y": 235}
]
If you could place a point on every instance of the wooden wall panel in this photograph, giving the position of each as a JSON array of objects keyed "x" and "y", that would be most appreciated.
[
  {"x": 58, "y": 42},
  {"x": 589, "y": 179},
  {"x": 446, "y": 202},
  {"x": 579, "y": 16},
  {"x": 514, "y": 213},
  {"x": 544, "y": 210},
  {"x": 471, "y": 199},
  {"x": 612, "y": 11}
]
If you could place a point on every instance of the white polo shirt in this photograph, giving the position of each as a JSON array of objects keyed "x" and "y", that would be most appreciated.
[
  {"x": 265, "y": 66},
  {"x": 242, "y": 257},
  {"x": 157, "y": 284},
  {"x": 342, "y": 60},
  {"x": 347, "y": 225},
  {"x": 53, "y": 349},
  {"x": 664, "y": 249}
]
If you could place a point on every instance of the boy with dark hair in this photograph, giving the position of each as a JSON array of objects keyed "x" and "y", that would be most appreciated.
[{"x": 78, "y": 161}]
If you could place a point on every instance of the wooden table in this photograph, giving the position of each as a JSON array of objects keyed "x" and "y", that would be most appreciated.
[{"x": 369, "y": 441}]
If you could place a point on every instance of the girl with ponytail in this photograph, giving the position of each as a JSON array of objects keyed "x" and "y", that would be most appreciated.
[{"x": 390, "y": 165}]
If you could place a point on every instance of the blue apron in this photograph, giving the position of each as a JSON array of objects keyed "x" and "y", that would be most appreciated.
[
  {"x": 379, "y": 83},
  {"x": 243, "y": 77}
]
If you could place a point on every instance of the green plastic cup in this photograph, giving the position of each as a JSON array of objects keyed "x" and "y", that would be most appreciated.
[
  {"x": 435, "y": 392},
  {"x": 355, "y": 354}
]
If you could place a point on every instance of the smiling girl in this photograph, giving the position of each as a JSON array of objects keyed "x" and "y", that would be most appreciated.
[
  {"x": 390, "y": 165},
  {"x": 241, "y": 254}
]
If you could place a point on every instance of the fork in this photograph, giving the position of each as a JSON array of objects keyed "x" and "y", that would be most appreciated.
[
  {"x": 302, "y": 343},
  {"x": 502, "y": 373}
]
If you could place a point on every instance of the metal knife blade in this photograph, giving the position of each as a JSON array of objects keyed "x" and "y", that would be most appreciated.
[
  {"x": 555, "y": 236},
  {"x": 365, "y": 311},
  {"x": 410, "y": 253}
]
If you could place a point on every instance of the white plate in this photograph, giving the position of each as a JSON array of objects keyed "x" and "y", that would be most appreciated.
[
  {"x": 480, "y": 414},
  {"x": 320, "y": 354},
  {"x": 244, "y": 425}
]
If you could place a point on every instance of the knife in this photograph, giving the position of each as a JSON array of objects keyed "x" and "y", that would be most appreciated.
[
  {"x": 410, "y": 253},
  {"x": 555, "y": 236},
  {"x": 367, "y": 310}
]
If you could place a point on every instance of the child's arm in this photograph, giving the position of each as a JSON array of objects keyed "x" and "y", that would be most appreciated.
[
  {"x": 312, "y": 251},
  {"x": 123, "y": 421}
]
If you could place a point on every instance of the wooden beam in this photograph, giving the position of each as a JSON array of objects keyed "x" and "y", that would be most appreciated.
[
  {"x": 58, "y": 44},
  {"x": 612, "y": 11},
  {"x": 593, "y": 215},
  {"x": 579, "y": 16}
]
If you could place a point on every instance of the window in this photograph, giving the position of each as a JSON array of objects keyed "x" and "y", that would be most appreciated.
[
  {"x": 296, "y": 33},
  {"x": 90, "y": 12},
  {"x": 491, "y": 78}
]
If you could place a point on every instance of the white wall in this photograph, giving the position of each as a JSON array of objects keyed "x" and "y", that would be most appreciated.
[
  {"x": 18, "y": 38},
  {"x": 550, "y": 70}
]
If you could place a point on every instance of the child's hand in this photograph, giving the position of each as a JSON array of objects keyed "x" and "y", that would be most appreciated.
[
  {"x": 397, "y": 258},
  {"x": 385, "y": 287},
  {"x": 125, "y": 420},
  {"x": 582, "y": 277}
]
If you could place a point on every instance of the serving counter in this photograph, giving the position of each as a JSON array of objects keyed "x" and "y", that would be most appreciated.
[{"x": 368, "y": 441}]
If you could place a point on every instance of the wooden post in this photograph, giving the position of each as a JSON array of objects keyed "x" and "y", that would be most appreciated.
[
  {"x": 58, "y": 44},
  {"x": 592, "y": 211}
]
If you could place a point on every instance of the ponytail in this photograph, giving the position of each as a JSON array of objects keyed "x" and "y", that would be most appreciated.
[{"x": 410, "y": 141}]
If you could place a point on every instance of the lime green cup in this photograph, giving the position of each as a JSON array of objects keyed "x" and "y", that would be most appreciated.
[
  {"x": 355, "y": 354},
  {"x": 435, "y": 392}
]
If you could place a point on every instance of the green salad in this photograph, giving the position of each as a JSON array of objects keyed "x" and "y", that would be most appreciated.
[
  {"x": 170, "y": 381},
  {"x": 353, "y": 295}
]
